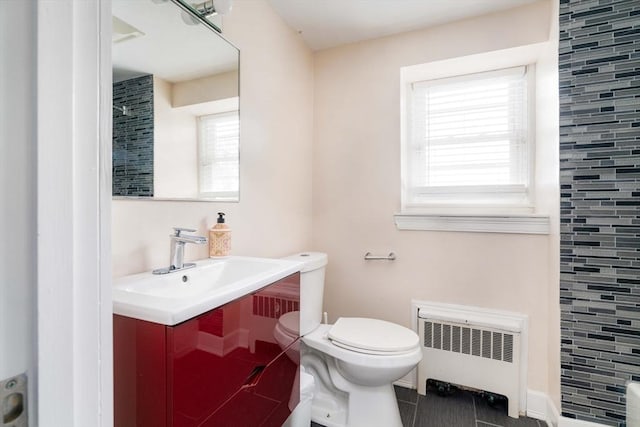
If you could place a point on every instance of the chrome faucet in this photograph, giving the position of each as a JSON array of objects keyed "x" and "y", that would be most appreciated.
[{"x": 178, "y": 240}]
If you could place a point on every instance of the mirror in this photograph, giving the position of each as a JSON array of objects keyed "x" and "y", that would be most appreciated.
[{"x": 176, "y": 115}]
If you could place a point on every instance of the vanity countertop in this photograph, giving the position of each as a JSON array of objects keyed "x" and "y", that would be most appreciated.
[{"x": 172, "y": 298}]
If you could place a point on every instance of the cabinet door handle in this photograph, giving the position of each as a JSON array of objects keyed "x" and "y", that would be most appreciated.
[{"x": 254, "y": 376}]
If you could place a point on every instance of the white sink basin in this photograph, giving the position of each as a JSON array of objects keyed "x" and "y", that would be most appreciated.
[{"x": 175, "y": 297}]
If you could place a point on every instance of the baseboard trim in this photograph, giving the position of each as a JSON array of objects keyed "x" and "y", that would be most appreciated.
[
  {"x": 541, "y": 407},
  {"x": 553, "y": 413},
  {"x": 570, "y": 422},
  {"x": 538, "y": 407}
]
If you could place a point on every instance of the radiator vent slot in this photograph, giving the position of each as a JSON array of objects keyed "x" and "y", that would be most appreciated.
[
  {"x": 446, "y": 337},
  {"x": 469, "y": 340},
  {"x": 437, "y": 336},
  {"x": 508, "y": 348},
  {"x": 466, "y": 340},
  {"x": 475, "y": 342},
  {"x": 428, "y": 334}
]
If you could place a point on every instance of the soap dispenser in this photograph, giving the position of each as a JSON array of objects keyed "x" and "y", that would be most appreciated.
[{"x": 219, "y": 238}]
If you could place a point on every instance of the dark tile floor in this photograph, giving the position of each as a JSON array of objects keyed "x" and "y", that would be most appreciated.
[{"x": 459, "y": 409}]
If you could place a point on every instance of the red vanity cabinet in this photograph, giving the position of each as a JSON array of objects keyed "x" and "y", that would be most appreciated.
[{"x": 221, "y": 368}]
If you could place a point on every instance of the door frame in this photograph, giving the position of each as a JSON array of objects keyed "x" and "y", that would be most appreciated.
[{"x": 75, "y": 373}]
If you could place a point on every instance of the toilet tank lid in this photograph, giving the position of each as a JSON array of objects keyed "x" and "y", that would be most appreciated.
[{"x": 312, "y": 260}]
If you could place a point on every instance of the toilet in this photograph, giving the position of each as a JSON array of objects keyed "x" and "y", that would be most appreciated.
[{"x": 353, "y": 362}]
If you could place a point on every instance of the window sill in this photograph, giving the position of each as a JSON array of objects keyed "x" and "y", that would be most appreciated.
[{"x": 519, "y": 224}]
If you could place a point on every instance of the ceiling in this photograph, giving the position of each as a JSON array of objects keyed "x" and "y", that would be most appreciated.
[
  {"x": 167, "y": 43},
  {"x": 328, "y": 23},
  {"x": 321, "y": 23}
]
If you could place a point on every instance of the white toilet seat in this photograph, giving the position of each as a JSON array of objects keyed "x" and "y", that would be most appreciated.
[
  {"x": 372, "y": 336},
  {"x": 319, "y": 340},
  {"x": 290, "y": 323}
]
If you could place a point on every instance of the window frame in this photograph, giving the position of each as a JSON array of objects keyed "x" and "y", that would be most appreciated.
[
  {"x": 499, "y": 218},
  {"x": 510, "y": 198}
]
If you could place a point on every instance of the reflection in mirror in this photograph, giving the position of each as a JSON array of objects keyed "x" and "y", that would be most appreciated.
[{"x": 176, "y": 115}]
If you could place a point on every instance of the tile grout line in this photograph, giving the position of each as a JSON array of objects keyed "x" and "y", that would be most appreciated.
[
  {"x": 475, "y": 412},
  {"x": 487, "y": 423},
  {"x": 415, "y": 411}
]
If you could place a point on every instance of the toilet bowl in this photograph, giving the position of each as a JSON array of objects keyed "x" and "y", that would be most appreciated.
[
  {"x": 353, "y": 382},
  {"x": 286, "y": 334},
  {"x": 372, "y": 360},
  {"x": 353, "y": 362}
]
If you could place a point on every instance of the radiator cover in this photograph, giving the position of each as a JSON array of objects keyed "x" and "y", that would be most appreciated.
[{"x": 475, "y": 348}]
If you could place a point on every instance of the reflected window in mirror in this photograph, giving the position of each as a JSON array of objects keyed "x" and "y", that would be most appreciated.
[{"x": 219, "y": 161}]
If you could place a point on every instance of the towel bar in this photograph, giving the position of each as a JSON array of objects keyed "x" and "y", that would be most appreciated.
[{"x": 369, "y": 257}]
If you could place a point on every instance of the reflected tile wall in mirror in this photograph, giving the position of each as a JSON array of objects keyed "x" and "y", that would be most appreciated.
[{"x": 133, "y": 137}]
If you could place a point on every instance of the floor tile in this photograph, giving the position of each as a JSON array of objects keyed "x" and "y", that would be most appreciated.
[
  {"x": 483, "y": 424},
  {"x": 406, "y": 394},
  {"x": 437, "y": 411},
  {"x": 498, "y": 415},
  {"x": 407, "y": 413}
]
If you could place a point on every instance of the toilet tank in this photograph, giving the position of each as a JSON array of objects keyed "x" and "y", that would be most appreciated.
[{"x": 311, "y": 289}]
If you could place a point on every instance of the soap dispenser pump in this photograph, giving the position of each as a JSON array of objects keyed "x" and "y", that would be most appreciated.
[{"x": 219, "y": 238}]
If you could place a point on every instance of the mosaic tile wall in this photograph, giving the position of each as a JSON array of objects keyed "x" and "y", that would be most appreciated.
[
  {"x": 600, "y": 206},
  {"x": 133, "y": 137}
]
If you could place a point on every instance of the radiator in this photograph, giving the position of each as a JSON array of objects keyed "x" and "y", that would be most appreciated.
[
  {"x": 273, "y": 306},
  {"x": 267, "y": 307},
  {"x": 473, "y": 348}
]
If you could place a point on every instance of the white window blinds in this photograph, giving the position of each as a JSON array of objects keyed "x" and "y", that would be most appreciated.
[
  {"x": 219, "y": 172},
  {"x": 468, "y": 140}
]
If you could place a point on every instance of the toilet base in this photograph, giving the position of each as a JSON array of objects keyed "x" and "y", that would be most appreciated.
[
  {"x": 372, "y": 407},
  {"x": 339, "y": 403}
]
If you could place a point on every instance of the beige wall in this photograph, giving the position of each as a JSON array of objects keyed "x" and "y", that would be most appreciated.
[
  {"x": 175, "y": 146},
  {"x": 273, "y": 217},
  {"x": 356, "y": 188},
  {"x": 205, "y": 89}
]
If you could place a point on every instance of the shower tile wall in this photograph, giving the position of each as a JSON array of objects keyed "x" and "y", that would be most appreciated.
[
  {"x": 600, "y": 206},
  {"x": 133, "y": 137}
]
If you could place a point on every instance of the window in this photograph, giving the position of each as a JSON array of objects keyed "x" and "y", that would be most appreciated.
[
  {"x": 467, "y": 141},
  {"x": 219, "y": 171}
]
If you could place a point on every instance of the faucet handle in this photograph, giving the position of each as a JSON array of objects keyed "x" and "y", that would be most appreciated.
[{"x": 178, "y": 230}]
